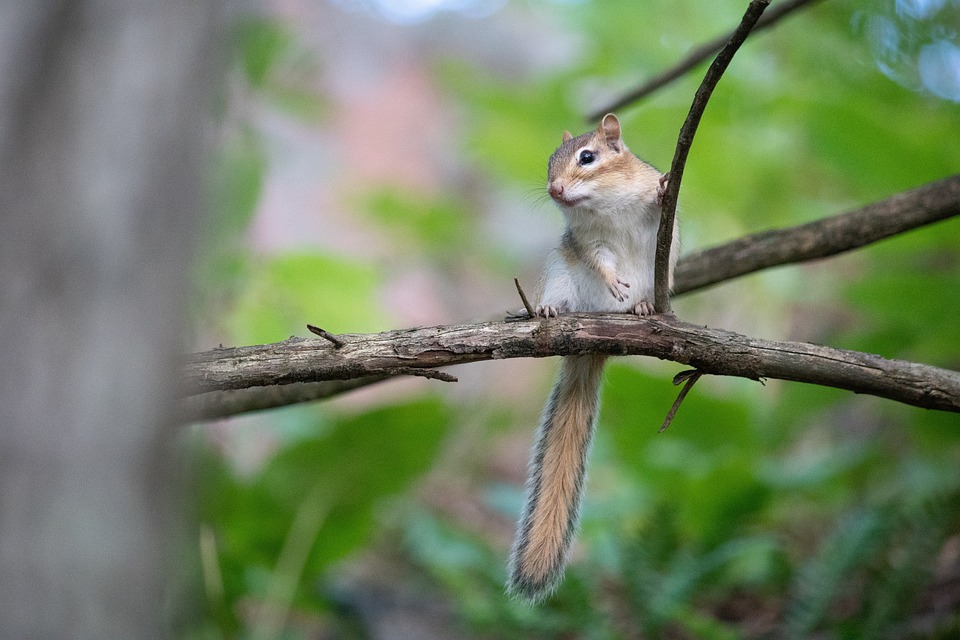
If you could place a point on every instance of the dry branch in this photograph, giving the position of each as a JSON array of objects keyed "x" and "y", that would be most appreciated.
[
  {"x": 711, "y": 351},
  {"x": 827, "y": 237},
  {"x": 687, "y": 379}
]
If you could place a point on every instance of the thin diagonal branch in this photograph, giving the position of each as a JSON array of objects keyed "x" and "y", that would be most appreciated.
[
  {"x": 700, "y": 54},
  {"x": 668, "y": 209},
  {"x": 710, "y": 351}
]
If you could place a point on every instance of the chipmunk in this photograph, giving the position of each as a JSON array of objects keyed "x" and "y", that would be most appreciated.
[{"x": 605, "y": 262}]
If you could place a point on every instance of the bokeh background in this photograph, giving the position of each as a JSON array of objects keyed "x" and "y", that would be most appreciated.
[{"x": 381, "y": 164}]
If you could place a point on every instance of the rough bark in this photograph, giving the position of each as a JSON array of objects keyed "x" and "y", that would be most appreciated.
[{"x": 711, "y": 351}]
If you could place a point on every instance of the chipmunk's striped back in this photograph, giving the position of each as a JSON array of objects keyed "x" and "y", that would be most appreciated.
[{"x": 557, "y": 477}]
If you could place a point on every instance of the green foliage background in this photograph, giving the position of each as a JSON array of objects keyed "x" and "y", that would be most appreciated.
[{"x": 764, "y": 511}]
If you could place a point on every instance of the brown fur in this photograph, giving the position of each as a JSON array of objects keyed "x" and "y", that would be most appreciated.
[
  {"x": 618, "y": 164},
  {"x": 575, "y": 253},
  {"x": 557, "y": 478}
]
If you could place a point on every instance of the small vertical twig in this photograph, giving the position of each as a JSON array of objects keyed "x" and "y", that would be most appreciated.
[
  {"x": 326, "y": 335},
  {"x": 523, "y": 298},
  {"x": 668, "y": 209}
]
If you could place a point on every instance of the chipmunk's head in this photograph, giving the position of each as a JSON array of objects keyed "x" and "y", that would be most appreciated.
[{"x": 593, "y": 168}]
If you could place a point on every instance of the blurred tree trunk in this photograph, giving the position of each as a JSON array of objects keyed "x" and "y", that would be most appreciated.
[{"x": 102, "y": 110}]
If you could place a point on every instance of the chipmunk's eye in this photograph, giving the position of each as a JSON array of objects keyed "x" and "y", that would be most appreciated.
[{"x": 586, "y": 157}]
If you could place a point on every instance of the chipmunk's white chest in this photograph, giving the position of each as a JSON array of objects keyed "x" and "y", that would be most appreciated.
[{"x": 626, "y": 239}]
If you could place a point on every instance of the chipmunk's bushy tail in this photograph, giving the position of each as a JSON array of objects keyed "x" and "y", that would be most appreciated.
[{"x": 557, "y": 472}]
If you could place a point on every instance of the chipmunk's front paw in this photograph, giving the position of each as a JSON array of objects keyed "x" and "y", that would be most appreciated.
[
  {"x": 618, "y": 288},
  {"x": 644, "y": 308},
  {"x": 550, "y": 310},
  {"x": 662, "y": 187}
]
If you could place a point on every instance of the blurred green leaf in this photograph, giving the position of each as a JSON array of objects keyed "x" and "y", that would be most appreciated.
[
  {"x": 278, "y": 67},
  {"x": 238, "y": 173},
  {"x": 286, "y": 292},
  {"x": 434, "y": 226},
  {"x": 261, "y": 43},
  {"x": 513, "y": 127},
  {"x": 238, "y": 182},
  {"x": 303, "y": 104},
  {"x": 353, "y": 465},
  {"x": 899, "y": 304},
  {"x": 705, "y": 460}
]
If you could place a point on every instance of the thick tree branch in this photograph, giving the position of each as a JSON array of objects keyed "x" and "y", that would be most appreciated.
[
  {"x": 896, "y": 214},
  {"x": 695, "y": 57},
  {"x": 711, "y": 351},
  {"x": 684, "y": 142},
  {"x": 822, "y": 238}
]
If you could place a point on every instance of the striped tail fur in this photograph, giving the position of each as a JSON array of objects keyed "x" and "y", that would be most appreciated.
[{"x": 557, "y": 473}]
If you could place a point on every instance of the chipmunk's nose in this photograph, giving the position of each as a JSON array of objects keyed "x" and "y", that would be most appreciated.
[{"x": 555, "y": 189}]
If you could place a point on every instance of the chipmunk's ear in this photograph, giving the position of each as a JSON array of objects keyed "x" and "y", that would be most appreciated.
[
  {"x": 567, "y": 136},
  {"x": 610, "y": 130}
]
